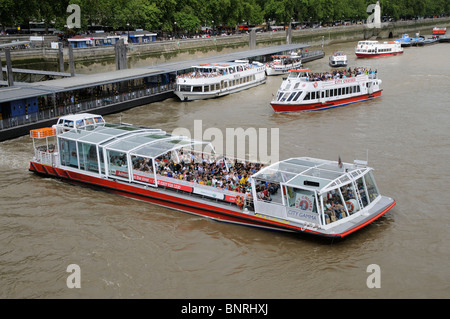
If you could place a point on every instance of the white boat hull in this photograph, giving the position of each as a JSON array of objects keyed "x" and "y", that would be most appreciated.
[{"x": 192, "y": 96}]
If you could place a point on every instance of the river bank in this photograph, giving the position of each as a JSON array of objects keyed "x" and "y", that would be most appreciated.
[{"x": 163, "y": 51}]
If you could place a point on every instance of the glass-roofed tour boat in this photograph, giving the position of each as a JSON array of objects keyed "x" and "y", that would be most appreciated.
[{"x": 308, "y": 195}]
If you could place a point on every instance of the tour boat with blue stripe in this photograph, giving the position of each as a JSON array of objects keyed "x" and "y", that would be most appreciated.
[
  {"x": 210, "y": 80},
  {"x": 299, "y": 195},
  {"x": 281, "y": 64},
  {"x": 305, "y": 91}
]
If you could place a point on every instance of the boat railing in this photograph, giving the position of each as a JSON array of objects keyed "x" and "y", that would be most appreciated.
[{"x": 45, "y": 157}]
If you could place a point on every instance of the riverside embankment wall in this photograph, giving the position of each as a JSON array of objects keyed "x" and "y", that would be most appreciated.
[{"x": 313, "y": 37}]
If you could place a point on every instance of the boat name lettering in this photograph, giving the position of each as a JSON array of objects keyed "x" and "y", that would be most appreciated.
[
  {"x": 340, "y": 81},
  {"x": 302, "y": 215}
]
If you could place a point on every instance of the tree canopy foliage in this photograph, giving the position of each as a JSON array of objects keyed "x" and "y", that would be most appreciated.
[{"x": 189, "y": 15}]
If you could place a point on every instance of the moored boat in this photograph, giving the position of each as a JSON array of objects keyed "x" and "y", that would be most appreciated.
[
  {"x": 218, "y": 79},
  {"x": 338, "y": 59},
  {"x": 407, "y": 41},
  {"x": 439, "y": 32},
  {"x": 304, "y": 195},
  {"x": 369, "y": 49},
  {"x": 281, "y": 64},
  {"x": 429, "y": 41},
  {"x": 303, "y": 91}
]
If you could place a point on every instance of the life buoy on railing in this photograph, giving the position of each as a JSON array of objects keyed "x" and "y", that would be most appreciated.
[
  {"x": 239, "y": 200},
  {"x": 315, "y": 84},
  {"x": 350, "y": 206}
]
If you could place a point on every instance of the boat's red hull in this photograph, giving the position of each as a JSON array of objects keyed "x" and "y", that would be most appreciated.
[
  {"x": 322, "y": 106},
  {"x": 186, "y": 205},
  {"x": 373, "y": 55}
]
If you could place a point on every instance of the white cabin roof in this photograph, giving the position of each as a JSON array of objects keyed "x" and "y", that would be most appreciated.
[{"x": 311, "y": 173}]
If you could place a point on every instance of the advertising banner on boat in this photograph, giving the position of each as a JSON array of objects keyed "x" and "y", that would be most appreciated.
[
  {"x": 162, "y": 183},
  {"x": 209, "y": 193}
]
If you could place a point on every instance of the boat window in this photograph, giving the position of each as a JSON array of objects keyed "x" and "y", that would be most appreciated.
[
  {"x": 371, "y": 186},
  {"x": 348, "y": 192},
  {"x": 196, "y": 89},
  {"x": 362, "y": 191},
  {"x": 142, "y": 169},
  {"x": 68, "y": 153},
  {"x": 301, "y": 199},
  {"x": 307, "y": 97},
  {"x": 333, "y": 207},
  {"x": 291, "y": 96},
  {"x": 88, "y": 157},
  {"x": 206, "y": 88},
  {"x": 313, "y": 95},
  {"x": 269, "y": 192},
  {"x": 323, "y": 94},
  {"x": 117, "y": 163},
  {"x": 297, "y": 96},
  {"x": 68, "y": 123},
  {"x": 184, "y": 88},
  {"x": 102, "y": 162}
]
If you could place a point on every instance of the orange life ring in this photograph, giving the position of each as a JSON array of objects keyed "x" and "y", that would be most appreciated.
[
  {"x": 350, "y": 206},
  {"x": 315, "y": 84},
  {"x": 239, "y": 200}
]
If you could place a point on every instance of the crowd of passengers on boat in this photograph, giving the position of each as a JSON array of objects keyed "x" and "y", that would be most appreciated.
[
  {"x": 199, "y": 169},
  {"x": 340, "y": 74},
  {"x": 211, "y": 73}
]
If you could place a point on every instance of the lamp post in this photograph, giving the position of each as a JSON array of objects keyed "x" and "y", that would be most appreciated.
[
  {"x": 128, "y": 28},
  {"x": 175, "y": 35}
]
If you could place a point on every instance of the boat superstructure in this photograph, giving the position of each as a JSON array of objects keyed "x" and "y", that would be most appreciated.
[
  {"x": 321, "y": 197},
  {"x": 210, "y": 80},
  {"x": 407, "y": 41},
  {"x": 338, "y": 59},
  {"x": 438, "y": 32},
  {"x": 306, "y": 91},
  {"x": 281, "y": 64},
  {"x": 368, "y": 49}
]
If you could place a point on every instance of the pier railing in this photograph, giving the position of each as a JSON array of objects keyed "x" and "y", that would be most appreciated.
[{"x": 83, "y": 106}]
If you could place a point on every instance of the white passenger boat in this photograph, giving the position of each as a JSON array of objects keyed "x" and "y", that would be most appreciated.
[
  {"x": 218, "y": 79},
  {"x": 338, "y": 59},
  {"x": 369, "y": 49},
  {"x": 281, "y": 64},
  {"x": 305, "y": 91},
  {"x": 305, "y": 195}
]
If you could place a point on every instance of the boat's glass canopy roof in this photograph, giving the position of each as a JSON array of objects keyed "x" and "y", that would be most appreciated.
[
  {"x": 134, "y": 140},
  {"x": 311, "y": 173}
]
